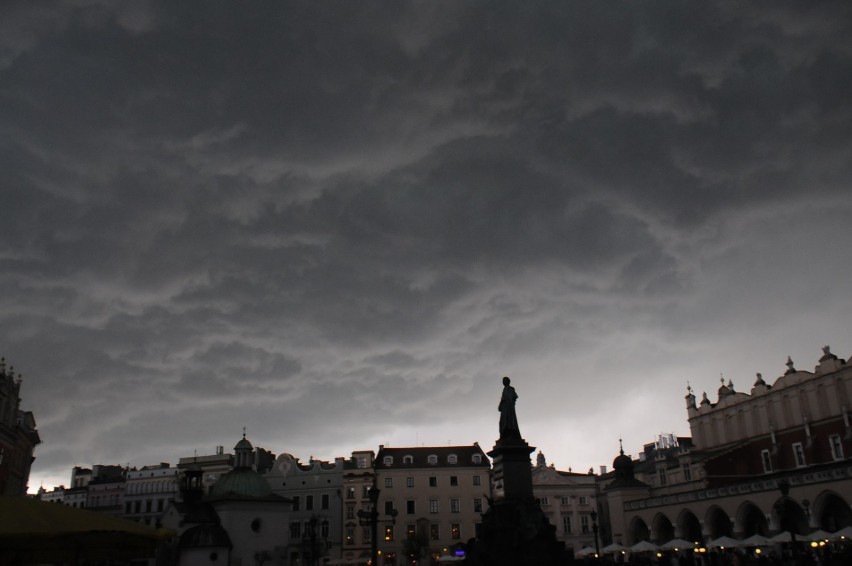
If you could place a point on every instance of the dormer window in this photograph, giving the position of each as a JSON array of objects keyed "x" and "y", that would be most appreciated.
[
  {"x": 432, "y": 459},
  {"x": 476, "y": 458},
  {"x": 452, "y": 459},
  {"x": 388, "y": 460},
  {"x": 408, "y": 459}
]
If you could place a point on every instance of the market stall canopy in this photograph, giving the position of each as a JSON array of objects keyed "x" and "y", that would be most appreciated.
[
  {"x": 612, "y": 548},
  {"x": 845, "y": 532},
  {"x": 818, "y": 535},
  {"x": 756, "y": 540},
  {"x": 36, "y": 531},
  {"x": 585, "y": 551},
  {"x": 783, "y": 536}
]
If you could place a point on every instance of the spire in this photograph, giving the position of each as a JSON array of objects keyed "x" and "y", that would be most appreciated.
[{"x": 620, "y": 447}]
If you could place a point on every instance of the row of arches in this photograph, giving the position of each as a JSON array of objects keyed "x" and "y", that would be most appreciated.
[{"x": 829, "y": 512}]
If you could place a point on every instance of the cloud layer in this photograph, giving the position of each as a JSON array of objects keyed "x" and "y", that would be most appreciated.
[{"x": 339, "y": 225}]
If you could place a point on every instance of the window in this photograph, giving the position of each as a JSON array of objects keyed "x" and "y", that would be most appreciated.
[
  {"x": 477, "y": 480},
  {"x": 432, "y": 459},
  {"x": 325, "y": 501},
  {"x": 584, "y": 500},
  {"x": 361, "y": 462},
  {"x": 388, "y": 482},
  {"x": 309, "y": 502},
  {"x": 477, "y": 505},
  {"x": 566, "y": 524},
  {"x": 799, "y": 454},
  {"x": 350, "y": 511},
  {"x": 137, "y": 506},
  {"x": 584, "y": 523},
  {"x": 661, "y": 473},
  {"x": 389, "y": 533},
  {"x": 324, "y": 529},
  {"x": 365, "y": 492},
  {"x": 350, "y": 534},
  {"x": 433, "y": 505},
  {"x": 409, "y": 507},
  {"x": 388, "y": 460},
  {"x": 767, "y": 460},
  {"x": 388, "y": 507},
  {"x": 455, "y": 529},
  {"x": 543, "y": 500},
  {"x": 367, "y": 535},
  {"x": 454, "y": 480},
  {"x": 408, "y": 459},
  {"x": 433, "y": 481},
  {"x": 148, "y": 504},
  {"x": 452, "y": 459},
  {"x": 476, "y": 458},
  {"x": 687, "y": 473},
  {"x": 350, "y": 493},
  {"x": 295, "y": 503},
  {"x": 563, "y": 500},
  {"x": 295, "y": 530},
  {"x": 454, "y": 505},
  {"x": 409, "y": 482},
  {"x": 410, "y": 531},
  {"x": 434, "y": 532},
  {"x": 836, "y": 446}
]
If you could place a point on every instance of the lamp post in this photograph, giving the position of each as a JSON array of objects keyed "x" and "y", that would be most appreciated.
[
  {"x": 371, "y": 518},
  {"x": 594, "y": 516}
]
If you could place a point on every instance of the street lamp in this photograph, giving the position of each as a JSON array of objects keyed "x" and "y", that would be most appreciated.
[
  {"x": 371, "y": 518},
  {"x": 594, "y": 516}
]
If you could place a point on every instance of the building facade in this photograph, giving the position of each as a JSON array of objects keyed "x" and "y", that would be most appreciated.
[
  {"x": 148, "y": 491},
  {"x": 358, "y": 477},
  {"x": 774, "y": 459},
  {"x": 315, "y": 492},
  {"x": 438, "y": 493},
  {"x": 18, "y": 435},
  {"x": 568, "y": 499}
]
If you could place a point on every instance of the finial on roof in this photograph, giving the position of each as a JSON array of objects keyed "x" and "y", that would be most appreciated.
[
  {"x": 790, "y": 368},
  {"x": 730, "y": 385},
  {"x": 826, "y": 354},
  {"x": 688, "y": 387},
  {"x": 759, "y": 380},
  {"x": 244, "y": 432},
  {"x": 704, "y": 399},
  {"x": 721, "y": 378},
  {"x": 620, "y": 447}
]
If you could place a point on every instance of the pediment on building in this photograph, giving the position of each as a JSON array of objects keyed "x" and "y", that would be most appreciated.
[{"x": 551, "y": 476}]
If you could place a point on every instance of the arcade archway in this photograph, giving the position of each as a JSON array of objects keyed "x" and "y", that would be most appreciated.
[
  {"x": 639, "y": 531},
  {"x": 718, "y": 523},
  {"x": 751, "y": 520},
  {"x": 689, "y": 527},
  {"x": 831, "y": 512},
  {"x": 663, "y": 530}
]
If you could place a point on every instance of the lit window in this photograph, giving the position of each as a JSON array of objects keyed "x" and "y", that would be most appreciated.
[
  {"x": 389, "y": 533},
  {"x": 836, "y": 446},
  {"x": 350, "y": 534},
  {"x": 799, "y": 454},
  {"x": 434, "y": 532},
  {"x": 411, "y": 531},
  {"x": 455, "y": 528}
]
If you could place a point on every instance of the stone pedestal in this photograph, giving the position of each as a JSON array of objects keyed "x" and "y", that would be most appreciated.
[{"x": 514, "y": 530}]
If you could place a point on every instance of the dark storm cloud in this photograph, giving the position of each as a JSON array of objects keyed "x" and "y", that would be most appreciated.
[{"x": 219, "y": 215}]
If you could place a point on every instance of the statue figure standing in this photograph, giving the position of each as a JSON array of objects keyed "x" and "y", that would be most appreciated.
[{"x": 508, "y": 419}]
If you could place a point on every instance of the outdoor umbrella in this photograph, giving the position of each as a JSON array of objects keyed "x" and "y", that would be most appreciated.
[
  {"x": 644, "y": 546},
  {"x": 756, "y": 540},
  {"x": 585, "y": 551},
  {"x": 818, "y": 535},
  {"x": 783, "y": 536},
  {"x": 724, "y": 542},
  {"x": 677, "y": 544},
  {"x": 845, "y": 532},
  {"x": 614, "y": 547}
]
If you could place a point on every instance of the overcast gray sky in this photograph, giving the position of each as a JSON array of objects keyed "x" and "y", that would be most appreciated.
[{"x": 339, "y": 224}]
